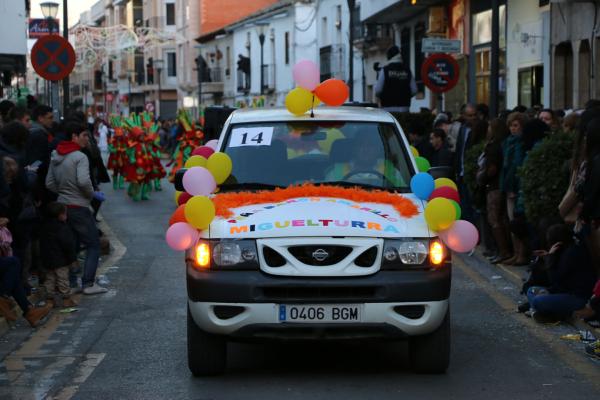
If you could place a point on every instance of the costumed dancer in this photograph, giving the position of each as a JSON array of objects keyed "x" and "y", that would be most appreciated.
[
  {"x": 116, "y": 147},
  {"x": 138, "y": 164},
  {"x": 152, "y": 142},
  {"x": 187, "y": 141}
]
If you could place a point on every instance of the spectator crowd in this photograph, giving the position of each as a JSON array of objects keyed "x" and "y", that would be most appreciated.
[
  {"x": 549, "y": 224},
  {"x": 50, "y": 176}
]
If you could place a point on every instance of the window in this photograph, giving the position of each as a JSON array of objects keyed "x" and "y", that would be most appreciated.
[
  {"x": 171, "y": 64},
  {"x": 325, "y": 62},
  {"x": 324, "y": 37},
  {"x": 338, "y": 17},
  {"x": 170, "y": 13},
  {"x": 111, "y": 71},
  {"x": 287, "y": 48},
  {"x": 405, "y": 46},
  {"x": 419, "y": 58},
  {"x": 228, "y": 61}
]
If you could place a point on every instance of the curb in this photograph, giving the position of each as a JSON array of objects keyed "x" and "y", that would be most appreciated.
[{"x": 518, "y": 275}]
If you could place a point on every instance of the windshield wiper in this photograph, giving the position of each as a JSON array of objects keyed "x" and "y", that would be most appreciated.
[
  {"x": 249, "y": 186},
  {"x": 366, "y": 186}
]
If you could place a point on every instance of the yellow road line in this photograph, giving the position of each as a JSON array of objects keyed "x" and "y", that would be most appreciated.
[{"x": 578, "y": 362}]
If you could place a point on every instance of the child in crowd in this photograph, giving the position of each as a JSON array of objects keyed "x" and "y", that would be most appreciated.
[{"x": 59, "y": 249}]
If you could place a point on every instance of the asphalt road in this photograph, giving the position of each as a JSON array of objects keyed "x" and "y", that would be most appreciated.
[{"x": 131, "y": 342}]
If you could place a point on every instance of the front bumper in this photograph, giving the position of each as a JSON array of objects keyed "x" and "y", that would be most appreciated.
[
  {"x": 395, "y": 303},
  {"x": 260, "y": 321}
]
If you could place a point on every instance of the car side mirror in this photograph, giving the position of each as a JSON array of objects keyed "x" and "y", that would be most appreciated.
[{"x": 441, "y": 172}]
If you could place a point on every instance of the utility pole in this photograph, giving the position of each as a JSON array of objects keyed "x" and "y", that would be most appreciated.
[
  {"x": 66, "y": 93},
  {"x": 351, "y": 6},
  {"x": 495, "y": 53}
]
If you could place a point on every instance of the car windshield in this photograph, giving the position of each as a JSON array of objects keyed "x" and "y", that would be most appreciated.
[{"x": 275, "y": 154}]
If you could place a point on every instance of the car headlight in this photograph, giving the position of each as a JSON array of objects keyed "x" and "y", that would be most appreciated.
[
  {"x": 227, "y": 254},
  {"x": 399, "y": 253}
]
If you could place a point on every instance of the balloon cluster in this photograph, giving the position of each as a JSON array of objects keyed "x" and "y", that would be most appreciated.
[
  {"x": 443, "y": 212},
  {"x": 205, "y": 170},
  {"x": 310, "y": 92}
]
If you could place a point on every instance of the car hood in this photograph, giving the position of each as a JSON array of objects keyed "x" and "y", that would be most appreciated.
[{"x": 320, "y": 216}]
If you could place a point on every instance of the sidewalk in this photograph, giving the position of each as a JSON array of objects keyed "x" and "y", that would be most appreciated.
[
  {"x": 517, "y": 275},
  {"x": 106, "y": 260}
]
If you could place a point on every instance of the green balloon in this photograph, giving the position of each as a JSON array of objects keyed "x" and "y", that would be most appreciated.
[
  {"x": 422, "y": 164},
  {"x": 458, "y": 211}
]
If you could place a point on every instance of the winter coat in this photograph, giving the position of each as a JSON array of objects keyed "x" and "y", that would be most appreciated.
[
  {"x": 69, "y": 175},
  {"x": 57, "y": 244},
  {"x": 37, "y": 147},
  {"x": 513, "y": 156},
  {"x": 591, "y": 191},
  {"x": 571, "y": 271},
  {"x": 493, "y": 165}
]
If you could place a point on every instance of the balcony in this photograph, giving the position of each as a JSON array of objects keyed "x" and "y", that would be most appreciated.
[
  {"x": 268, "y": 78},
  {"x": 373, "y": 37},
  {"x": 212, "y": 81},
  {"x": 243, "y": 81}
]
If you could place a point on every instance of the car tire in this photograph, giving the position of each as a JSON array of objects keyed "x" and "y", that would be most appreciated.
[
  {"x": 207, "y": 353},
  {"x": 430, "y": 354}
]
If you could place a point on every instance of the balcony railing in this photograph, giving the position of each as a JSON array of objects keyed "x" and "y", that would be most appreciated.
[
  {"x": 243, "y": 81},
  {"x": 215, "y": 74},
  {"x": 268, "y": 77}
]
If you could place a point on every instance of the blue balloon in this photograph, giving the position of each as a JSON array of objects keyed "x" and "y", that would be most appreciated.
[{"x": 422, "y": 185}]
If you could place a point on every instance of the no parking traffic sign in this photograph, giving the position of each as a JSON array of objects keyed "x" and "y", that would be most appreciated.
[
  {"x": 440, "y": 72},
  {"x": 53, "y": 57}
]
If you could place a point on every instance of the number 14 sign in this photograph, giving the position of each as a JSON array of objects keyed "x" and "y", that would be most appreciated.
[{"x": 251, "y": 137}]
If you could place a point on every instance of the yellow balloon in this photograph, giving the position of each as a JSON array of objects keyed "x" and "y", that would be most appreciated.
[
  {"x": 177, "y": 194},
  {"x": 220, "y": 166},
  {"x": 441, "y": 182},
  {"x": 414, "y": 151},
  {"x": 195, "y": 161},
  {"x": 440, "y": 214},
  {"x": 199, "y": 212},
  {"x": 299, "y": 100}
]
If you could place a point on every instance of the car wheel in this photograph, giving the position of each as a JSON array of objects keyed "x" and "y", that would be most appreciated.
[
  {"x": 207, "y": 353},
  {"x": 430, "y": 354}
]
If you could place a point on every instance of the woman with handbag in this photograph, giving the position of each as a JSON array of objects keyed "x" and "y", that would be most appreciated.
[{"x": 488, "y": 176}]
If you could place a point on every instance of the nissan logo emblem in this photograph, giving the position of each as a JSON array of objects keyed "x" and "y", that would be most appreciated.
[{"x": 320, "y": 255}]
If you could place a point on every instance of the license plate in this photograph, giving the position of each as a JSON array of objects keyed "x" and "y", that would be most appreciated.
[{"x": 330, "y": 313}]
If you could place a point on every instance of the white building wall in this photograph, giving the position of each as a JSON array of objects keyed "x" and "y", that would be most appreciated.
[
  {"x": 526, "y": 18},
  {"x": 13, "y": 27}
]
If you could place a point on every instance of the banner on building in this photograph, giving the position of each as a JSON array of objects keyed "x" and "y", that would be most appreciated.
[{"x": 39, "y": 27}]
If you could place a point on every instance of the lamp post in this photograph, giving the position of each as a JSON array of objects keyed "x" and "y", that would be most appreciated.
[
  {"x": 260, "y": 30},
  {"x": 351, "y": 6},
  {"x": 158, "y": 64},
  {"x": 199, "y": 65},
  {"x": 129, "y": 76},
  {"x": 66, "y": 97},
  {"x": 49, "y": 10}
]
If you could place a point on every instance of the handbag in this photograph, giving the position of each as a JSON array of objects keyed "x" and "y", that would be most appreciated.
[{"x": 570, "y": 206}]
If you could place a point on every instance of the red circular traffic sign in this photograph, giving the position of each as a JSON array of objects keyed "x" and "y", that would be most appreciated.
[
  {"x": 440, "y": 72},
  {"x": 53, "y": 57}
]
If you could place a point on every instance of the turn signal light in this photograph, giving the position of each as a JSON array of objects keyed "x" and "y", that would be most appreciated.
[
  {"x": 437, "y": 253},
  {"x": 203, "y": 255}
]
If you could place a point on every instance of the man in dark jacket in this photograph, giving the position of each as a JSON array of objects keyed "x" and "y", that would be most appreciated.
[
  {"x": 396, "y": 84},
  {"x": 39, "y": 136},
  {"x": 442, "y": 156}
]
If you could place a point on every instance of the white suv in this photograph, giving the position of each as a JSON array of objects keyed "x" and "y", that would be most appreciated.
[{"x": 318, "y": 267}]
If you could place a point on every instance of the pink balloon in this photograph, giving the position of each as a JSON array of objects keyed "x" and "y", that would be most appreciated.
[
  {"x": 203, "y": 151},
  {"x": 198, "y": 181},
  {"x": 461, "y": 237},
  {"x": 212, "y": 144},
  {"x": 306, "y": 74},
  {"x": 181, "y": 236}
]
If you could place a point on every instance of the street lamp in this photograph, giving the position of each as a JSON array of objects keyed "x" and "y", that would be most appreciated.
[
  {"x": 260, "y": 31},
  {"x": 49, "y": 11},
  {"x": 158, "y": 64}
]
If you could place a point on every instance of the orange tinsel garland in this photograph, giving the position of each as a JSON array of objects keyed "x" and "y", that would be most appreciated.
[{"x": 227, "y": 201}]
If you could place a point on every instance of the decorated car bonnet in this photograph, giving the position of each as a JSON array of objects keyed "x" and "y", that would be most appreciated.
[{"x": 312, "y": 210}]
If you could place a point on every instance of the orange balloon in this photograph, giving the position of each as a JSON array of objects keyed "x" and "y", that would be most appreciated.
[
  {"x": 333, "y": 92},
  {"x": 178, "y": 215}
]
